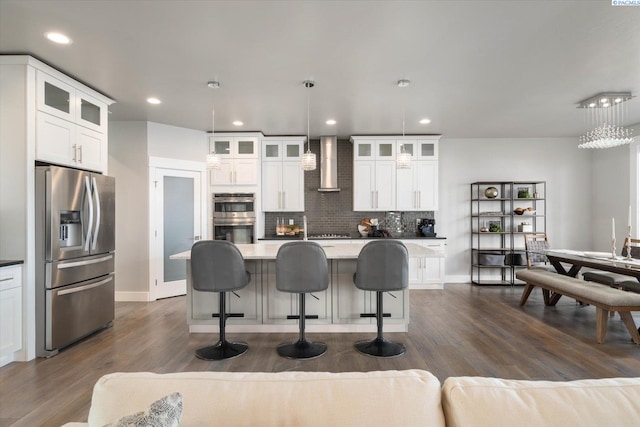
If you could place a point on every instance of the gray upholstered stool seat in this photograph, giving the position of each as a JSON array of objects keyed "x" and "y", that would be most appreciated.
[
  {"x": 382, "y": 266},
  {"x": 218, "y": 266},
  {"x": 302, "y": 267}
]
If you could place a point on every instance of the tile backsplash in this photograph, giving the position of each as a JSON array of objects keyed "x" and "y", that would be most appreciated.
[{"x": 333, "y": 212}]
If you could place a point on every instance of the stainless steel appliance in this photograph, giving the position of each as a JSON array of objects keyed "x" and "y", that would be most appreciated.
[
  {"x": 75, "y": 243},
  {"x": 234, "y": 217}
]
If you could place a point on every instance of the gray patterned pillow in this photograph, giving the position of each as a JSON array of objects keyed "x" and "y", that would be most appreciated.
[{"x": 165, "y": 412}]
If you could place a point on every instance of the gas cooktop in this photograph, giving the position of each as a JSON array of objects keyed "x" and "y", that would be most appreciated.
[{"x": 329, "y": 236}]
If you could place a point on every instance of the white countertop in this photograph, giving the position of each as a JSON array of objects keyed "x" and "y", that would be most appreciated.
[{"x": 269, "y": 250}]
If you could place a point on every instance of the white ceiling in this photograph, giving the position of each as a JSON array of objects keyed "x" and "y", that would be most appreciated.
[{"x": 484, "y": 69}]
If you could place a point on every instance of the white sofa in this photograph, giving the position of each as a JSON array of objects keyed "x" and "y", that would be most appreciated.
[{"x": 383, "y": 398}]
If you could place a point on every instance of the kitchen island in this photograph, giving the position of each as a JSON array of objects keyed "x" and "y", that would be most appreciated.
[{"x": 265, "y": 309}]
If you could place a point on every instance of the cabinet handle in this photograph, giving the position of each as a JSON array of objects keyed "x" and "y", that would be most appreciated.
[
  {"x": 231, "y": 177},
  {"x": 284, "y": 203},
  {"x": 79, "y": 153},
  {"x": 372, "y": 199},
  {"x": 6, "y": 279},
  {"x": 75, "y": 153}
]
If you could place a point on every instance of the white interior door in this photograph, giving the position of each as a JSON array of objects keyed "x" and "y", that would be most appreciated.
[{"x": 177, "y": 215}]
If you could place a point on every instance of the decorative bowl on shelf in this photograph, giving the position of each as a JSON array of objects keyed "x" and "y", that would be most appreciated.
[
  {"x": 524, "y": 211},
  {"x": 491, "y": 192}
]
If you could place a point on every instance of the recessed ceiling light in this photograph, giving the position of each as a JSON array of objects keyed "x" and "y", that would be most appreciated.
[
  {"x": 618, "y": 100},
  {"x": 57, "y": 37},
  {"x": 592, "y": 105},
  {"x": 425, "y": 121},
  {"x": 403, "y": 83},
  {"x": 237, "y": 123},
  {"x": 331, "y": 122},
  {"x": 153, "y": 100}
]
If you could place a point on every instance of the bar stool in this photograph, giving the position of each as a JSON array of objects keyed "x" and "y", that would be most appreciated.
[
  {"x": 218, "y": 266},
  {"x": 382, "y": 266},
  {"x": 302, "y": 267}
]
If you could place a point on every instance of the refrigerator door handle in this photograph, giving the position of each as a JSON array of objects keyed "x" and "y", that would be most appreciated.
[
  {"x": 98, "y": 214},
  {"x": 87, "y": 187},
  {"x": 85, "y": 287},
  {"x": 87, "y": 262}
]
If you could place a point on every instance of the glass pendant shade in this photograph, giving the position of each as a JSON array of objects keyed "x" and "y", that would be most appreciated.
[
  {"x": 308, "y": 161},
  {"x": 403, "y": 160},
  {"x": 213, "y": 161}
]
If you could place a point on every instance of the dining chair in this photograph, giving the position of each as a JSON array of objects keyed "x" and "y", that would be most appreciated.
[
  {"x": 536, "y": 245},
  {"x": 616, "y": 280}
]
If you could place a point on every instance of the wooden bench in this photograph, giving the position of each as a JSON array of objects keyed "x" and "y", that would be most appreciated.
[{"x": 604, "y": 298}]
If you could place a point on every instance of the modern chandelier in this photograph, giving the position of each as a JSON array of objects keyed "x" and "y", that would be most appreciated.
[
  {"x": 403, "y": 158},
  {"x": 604, "y": 115},
  {"x": 308, "y": 158}
]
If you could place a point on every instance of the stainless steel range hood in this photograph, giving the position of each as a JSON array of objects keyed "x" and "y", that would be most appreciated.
[{"x": 328, "y": 164}]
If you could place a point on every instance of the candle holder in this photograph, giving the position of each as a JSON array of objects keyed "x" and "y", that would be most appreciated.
[
  {"x": 628, "y": 245},
  {"x": 613, "y": 248}
]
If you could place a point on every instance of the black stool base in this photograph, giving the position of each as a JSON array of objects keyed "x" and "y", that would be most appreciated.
[
  {"x": 302, "y": 349},
  {"x": 221, "y": 350},
  {"x": 380, "y": 348}
]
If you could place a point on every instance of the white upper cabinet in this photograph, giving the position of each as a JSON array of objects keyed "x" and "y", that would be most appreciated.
[
  {"x": 380, "y": 186},
  {"x": 420, "y": 149},
  {"x": 282, "y": 174},
  {"x": 417, "y": 187},
  {"x": 372, "y": 149},
  {"x": 71, "y": 125},
  {"x": 239, "y": 159},
  {"x": 235, "y": 147}
]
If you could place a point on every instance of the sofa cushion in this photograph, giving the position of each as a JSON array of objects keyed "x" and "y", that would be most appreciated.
[
  {"x": 477, "y": 401},
  {"x": 165, "y": 412},
  {"x": 406, "y": 398}
]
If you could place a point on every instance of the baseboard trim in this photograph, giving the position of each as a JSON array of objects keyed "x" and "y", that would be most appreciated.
[
  {"x": 132, "y": 297},
  {"x": 458, "y": 279}
]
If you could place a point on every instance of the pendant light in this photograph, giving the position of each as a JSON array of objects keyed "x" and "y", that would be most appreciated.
[
  {"x": 213, "y": 159},
  {"x": 403, "y": 159},
  {"x": 308, "y": 158}
]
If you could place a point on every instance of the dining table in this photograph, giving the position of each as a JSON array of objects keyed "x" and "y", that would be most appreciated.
[
  {"x": 570, "y": 262},
  {"x": 560, "y": 259}
]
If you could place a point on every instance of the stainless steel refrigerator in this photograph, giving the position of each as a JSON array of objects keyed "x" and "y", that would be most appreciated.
[{"x": 75, "y": 243}]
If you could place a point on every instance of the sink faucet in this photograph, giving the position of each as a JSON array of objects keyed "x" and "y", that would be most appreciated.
[{"x": 304, "y": 226}]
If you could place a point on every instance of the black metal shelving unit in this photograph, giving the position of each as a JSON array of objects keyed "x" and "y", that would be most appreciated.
[{"x": 497, "y": 255}]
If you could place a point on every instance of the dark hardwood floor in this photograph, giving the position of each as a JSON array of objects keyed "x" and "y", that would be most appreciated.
[{"x": 462, "y": 330}]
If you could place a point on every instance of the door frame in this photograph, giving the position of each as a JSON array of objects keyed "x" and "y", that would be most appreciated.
[{"x": 178, "y": 165}]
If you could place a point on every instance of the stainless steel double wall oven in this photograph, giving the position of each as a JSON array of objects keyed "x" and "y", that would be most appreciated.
[{"x": 234, "y": 217}]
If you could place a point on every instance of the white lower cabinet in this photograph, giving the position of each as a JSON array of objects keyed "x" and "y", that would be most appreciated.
[
  {"x": 279, "y": 305},
  {"x": 10, "y": 312},
  {"x": 427, "y": 272},
  {"x": 350, "y": 302}
]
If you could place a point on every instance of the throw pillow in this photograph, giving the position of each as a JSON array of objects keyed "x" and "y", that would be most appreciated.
[{"x": 165, "y": 412}]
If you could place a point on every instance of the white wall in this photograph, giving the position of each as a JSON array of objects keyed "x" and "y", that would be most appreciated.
[
  {"x": 558, "y": 161},
  {"x": 130, "y": 146},
  {"x": 611, "y": 192},
  {"x": 128, "y": 164},
  {"x": 173, "y": 142}
]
